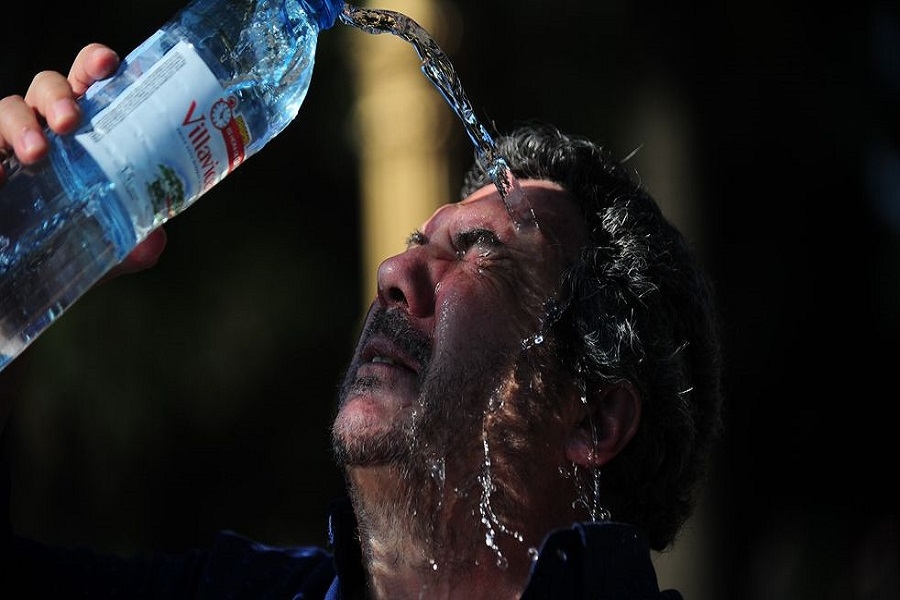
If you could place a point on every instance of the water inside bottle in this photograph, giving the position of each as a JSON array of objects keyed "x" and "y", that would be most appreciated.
[
  {"x": 440, "y": 71},
  {"x": 68, "y": 226}
]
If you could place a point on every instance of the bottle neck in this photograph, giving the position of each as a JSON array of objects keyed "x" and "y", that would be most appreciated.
[{"x": 323, "y": 12}]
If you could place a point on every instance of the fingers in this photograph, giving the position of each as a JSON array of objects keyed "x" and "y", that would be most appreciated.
[
  {"x": 143, "y": 256},
  {"x": 50, "y": 99},
  {"x": 20, "y": 130},
  {"x": 94, "y": 62}
]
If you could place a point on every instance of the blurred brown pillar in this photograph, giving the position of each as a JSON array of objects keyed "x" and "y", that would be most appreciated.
[{"x": 402, "y": 125}]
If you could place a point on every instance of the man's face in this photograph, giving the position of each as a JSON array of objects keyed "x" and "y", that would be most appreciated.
[{"x": 445, "y": 332}]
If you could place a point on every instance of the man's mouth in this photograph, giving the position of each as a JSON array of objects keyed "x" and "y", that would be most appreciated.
[
  {"x": 390, "y": 370},
  {"x": 391, "y": 339},
  {"x": 380, "y": 350}
]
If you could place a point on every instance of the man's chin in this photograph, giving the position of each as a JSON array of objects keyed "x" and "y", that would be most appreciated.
[
  {"x": 372, "y": 450},
  {"x": 365, "y": 437},
  {"x": 369, "y": 414}
]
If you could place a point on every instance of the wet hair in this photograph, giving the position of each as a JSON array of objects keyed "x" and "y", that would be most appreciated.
[{"x": 637, "y": 306}]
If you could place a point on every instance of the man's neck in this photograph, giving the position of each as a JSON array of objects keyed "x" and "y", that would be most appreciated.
[{"x": 420, "y": 541}]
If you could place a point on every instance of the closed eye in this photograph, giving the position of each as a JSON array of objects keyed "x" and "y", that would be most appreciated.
[{"x": 484, "y": 238}]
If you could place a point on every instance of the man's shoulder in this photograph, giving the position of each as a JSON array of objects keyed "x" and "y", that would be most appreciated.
[{"x": 596, "y": 560}]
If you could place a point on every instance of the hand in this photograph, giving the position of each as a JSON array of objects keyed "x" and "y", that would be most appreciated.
[
  {"x": 143, "y": 256},
  {"x": 50, "y": 99}
]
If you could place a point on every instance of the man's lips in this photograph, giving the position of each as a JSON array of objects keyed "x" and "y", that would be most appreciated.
[
  {"x": 381, "y": 350},
  {"x": 386, "y": 378},
  {"x": 384, "y": 382}
]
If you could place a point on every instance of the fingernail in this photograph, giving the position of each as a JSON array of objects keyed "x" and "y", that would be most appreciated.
[
  {"x": 64, "y": 109},
  {"x": 32, "y": 140}
]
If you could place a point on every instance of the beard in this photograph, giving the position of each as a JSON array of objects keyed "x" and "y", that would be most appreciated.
[
  {"x": 455, "y": 388},
  {"x": 478, "y": 410}
]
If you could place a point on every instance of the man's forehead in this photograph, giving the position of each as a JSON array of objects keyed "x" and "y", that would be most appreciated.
[
  {"x": 484, "y": 201},
  {"x": 491, "y": 192},
  {"x": 488, "y": 192},
  {"x": 487, "y": 199}
]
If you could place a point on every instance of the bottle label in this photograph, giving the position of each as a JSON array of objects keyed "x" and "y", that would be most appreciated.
[{"x": 169, "y": 136}]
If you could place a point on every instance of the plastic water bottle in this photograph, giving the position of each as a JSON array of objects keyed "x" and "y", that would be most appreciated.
[{"x": 208, "y": 90}]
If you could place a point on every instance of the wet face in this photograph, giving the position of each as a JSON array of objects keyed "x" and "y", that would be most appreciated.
[{"x": 444, "y": 336}]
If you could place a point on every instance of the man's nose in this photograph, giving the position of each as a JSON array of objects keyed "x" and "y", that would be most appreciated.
[{"x": 407, "y": 281}]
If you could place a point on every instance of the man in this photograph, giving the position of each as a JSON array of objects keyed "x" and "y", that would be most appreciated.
[{"x": 529, "y": 409}]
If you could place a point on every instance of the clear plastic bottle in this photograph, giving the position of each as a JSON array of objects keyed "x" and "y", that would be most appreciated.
[{"x": 209, "y": 89}]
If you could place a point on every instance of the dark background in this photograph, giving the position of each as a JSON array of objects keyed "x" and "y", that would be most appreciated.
[{"x": 197, "y": 395}]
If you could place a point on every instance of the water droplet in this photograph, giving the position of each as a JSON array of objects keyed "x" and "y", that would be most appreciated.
[
  {"x": 91, "y": 207},
  {"x": 532, "y": 341},
  {"x": 533, "y": 554},
  {"x": 437, "y": 469},
  {"x": 489, "y": 519}
]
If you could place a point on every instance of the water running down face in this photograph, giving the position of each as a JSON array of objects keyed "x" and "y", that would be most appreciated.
[{"x": 445, "y": 331}]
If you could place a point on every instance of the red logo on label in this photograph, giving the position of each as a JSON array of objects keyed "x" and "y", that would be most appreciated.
[{"x": 222, "y": 117}]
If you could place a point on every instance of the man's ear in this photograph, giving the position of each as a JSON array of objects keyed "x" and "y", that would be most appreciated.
[{"x": 612, "y": 419}]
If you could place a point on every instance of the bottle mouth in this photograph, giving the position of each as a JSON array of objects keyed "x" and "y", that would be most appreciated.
[{"x": 324, "y": 12}]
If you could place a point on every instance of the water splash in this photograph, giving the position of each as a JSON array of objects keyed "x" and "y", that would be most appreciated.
[
  {"x": 440, "y": 71},
  {"x": 587, "y": 479},
  {"x": 492, "y": 523},
  {"x": 587, "y": 494},
  {"x": 438, "y": 470},
  {"x": 552, "y": 313}
]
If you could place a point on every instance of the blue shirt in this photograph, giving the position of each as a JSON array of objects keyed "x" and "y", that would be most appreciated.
[{"x": 600, "y": 561}]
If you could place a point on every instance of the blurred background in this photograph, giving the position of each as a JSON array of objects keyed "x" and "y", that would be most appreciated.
[{"x": 196, "y": 396}]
